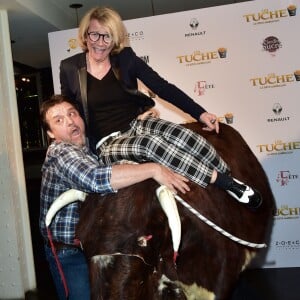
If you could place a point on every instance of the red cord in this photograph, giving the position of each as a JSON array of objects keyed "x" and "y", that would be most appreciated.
[{"x": 61, "y": 272}]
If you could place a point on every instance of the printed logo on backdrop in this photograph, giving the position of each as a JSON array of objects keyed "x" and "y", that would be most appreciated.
[
  {"x": 269, "y": 16},
  {"x": 275, "y": 80},
  {"x": 271, "y": 44},
  {"x": 193, "y": 24},
  {"x": 228, "y": 118},
  {"x": 205, "y": 57},
  {"x": 279, "y": 147},
  {"x": 277, "y": 110},
  {"x": 297, "y": 75},
  {"x": 285, "y": 212},
  {"x": 285, "y": 177},
  {"x": 72, "y": 44},
  {"x": 201, "y": 86},
  {"x": 287, "y": 245},
  {"x": 136, "y": 35}
]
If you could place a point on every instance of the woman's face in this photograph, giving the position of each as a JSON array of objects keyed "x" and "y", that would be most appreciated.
[{"x": 99, "y": 41}]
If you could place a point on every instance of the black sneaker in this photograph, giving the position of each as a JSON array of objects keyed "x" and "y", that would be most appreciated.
[{"x": 245, "y": 194}]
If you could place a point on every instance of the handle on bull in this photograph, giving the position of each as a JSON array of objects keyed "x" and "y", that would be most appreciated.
[
  {"x": 64, "y": 199},
  {"x": 169, "y": 206},
  {"x": 216, "y": 227}
]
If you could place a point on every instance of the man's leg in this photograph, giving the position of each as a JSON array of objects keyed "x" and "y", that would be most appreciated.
[{"x": 75, "y": 272}]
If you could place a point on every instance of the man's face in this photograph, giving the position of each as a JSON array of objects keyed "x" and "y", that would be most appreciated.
[{"x": 65, "y": 124}]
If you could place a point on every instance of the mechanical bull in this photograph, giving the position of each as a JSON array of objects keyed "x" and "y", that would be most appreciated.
[{"x": 130, "y": 245}]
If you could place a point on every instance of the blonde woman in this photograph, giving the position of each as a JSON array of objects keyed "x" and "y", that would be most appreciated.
[{"x": 121, "y": 125}]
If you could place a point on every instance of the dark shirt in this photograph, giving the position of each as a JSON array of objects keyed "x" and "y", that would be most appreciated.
[{"x": 110, "y": 107}]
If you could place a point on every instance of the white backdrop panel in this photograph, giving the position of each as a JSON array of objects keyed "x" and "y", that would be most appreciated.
[{"x": 255, "y": 84}]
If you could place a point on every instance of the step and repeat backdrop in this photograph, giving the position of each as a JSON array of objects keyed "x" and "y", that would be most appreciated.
[{"x": 241, "y": 62}]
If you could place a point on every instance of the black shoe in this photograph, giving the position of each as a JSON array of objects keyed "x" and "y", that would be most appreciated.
[{"x": 245, "y": 194}]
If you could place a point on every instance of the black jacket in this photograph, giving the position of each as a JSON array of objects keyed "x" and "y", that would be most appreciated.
[{"x": 128, "y": 67}]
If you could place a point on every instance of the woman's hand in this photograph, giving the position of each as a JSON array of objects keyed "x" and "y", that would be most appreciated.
[
  {"x": 211, "y": 121},
  {"x": 152, "y": 112}
]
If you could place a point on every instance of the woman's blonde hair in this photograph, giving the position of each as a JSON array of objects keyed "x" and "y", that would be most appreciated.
[{"x": 108, "y": 18}]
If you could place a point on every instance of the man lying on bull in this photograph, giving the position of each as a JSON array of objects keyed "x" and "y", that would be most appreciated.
[{"x": 69, "y": 164}]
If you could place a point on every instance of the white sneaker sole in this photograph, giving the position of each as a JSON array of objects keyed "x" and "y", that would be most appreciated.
[{"x": 247, "y": 193}]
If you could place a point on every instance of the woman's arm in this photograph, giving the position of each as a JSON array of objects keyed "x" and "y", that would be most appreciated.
[
  {"x": 172, "y": 94},
  {"x": 83, "y": 172},
  {"x": 165, "y": 90}
]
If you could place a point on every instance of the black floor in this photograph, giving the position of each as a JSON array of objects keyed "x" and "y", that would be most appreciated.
[
  {"x": 269, "y": 284},
  {"x": 254, "y": 284}
]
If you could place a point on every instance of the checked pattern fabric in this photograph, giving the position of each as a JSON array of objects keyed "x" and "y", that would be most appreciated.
[{"x": 167, "y": 143}]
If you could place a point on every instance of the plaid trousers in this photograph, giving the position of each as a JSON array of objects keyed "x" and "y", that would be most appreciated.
[{"x": 167, "y": 143}]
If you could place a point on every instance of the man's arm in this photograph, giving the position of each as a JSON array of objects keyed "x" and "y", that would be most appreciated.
[
  {"x": 84, "y": 173},
  {"x": 126, "y": 174}
]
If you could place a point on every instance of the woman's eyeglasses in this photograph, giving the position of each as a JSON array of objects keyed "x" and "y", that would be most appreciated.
[{"x": 95, "y": 36}]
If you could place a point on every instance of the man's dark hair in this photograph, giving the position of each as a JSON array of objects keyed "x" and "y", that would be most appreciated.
[{"x": 49, "y": 103}]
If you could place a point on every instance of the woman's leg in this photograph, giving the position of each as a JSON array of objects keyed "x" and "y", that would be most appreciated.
[
  {"x": 180, "y": 149},
  {"x": 156, "y": 148},
  {"x": 183, "y": 138}
]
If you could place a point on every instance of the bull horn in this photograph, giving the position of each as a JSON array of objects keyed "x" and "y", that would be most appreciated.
[
  {"x": 61, "y": 201},
  {"x": 169, "y": 206}
]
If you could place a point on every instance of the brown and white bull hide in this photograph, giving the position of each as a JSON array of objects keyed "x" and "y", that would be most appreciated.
[{"x": 127, "y": 239}]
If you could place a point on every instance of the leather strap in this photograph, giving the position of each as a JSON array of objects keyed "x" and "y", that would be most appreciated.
[{"x": 59, "y": 245}]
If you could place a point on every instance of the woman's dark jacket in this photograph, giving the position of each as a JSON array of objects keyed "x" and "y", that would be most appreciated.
[{"x": 128, "y": 67}]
